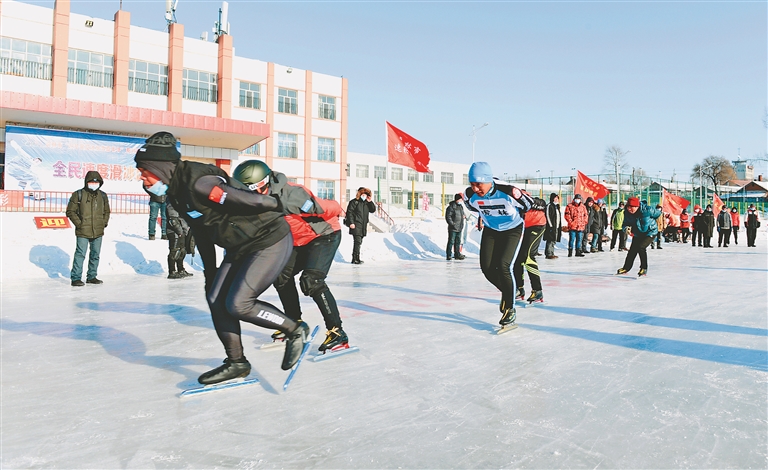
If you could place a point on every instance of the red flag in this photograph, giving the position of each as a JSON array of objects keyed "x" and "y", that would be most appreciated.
[
  {"x": 405, "y": 150},
  {"x": 673, "y": 204},
  {"x": 589, "y": 187},
  {"x": 717, "y": 204}
]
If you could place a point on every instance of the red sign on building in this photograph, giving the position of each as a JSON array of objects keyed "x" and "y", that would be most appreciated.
[{"x": 52, "y": 222}]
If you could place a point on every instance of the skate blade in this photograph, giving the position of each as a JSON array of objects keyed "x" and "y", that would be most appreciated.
[
  {"x": 273, "y": 345},
  {"x": 506, "y": 329},
  {"x": 234, "y": 383},
  {"x": 534, "y": 303},
  {"x": 335, "y": 354}
]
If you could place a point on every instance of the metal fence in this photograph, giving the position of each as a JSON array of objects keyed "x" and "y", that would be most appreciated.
[
  {"x": 25, "y": 68},
  {"x": 89, "y": 77},
  {"x": 56, "y": 202}
]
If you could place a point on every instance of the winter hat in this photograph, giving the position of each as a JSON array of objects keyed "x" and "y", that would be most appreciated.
[
  {"x": 552, "y": 197},
  {"x": 709, "y": 207},
  {"x": 160, "y": 147},
  {"x": 589, "y": 199},
  {"x": 577, "y": 197},
  {"x": 458, "y": 197},
  {"x": 633, "y": 202},
  {"x": 480, "y": 172}
]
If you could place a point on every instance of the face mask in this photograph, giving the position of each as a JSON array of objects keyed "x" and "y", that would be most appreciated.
[
  {"x": 93, "y": 186},
  {"x": 363, "y": 197},
  {"x": 158, "y": 189}
]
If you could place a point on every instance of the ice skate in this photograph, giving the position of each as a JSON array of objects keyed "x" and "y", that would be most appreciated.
[
  {"x": 622, "y": 271},
  {"x": 536, "y": 296},
  {"x": 520, "y": 294},
  {"x": 294, "y": 344},
  {"x": 642, "y": 272},
  {"x": 508, "y": 317},
  {"x": 228, "y": 371},
  {"x": 335, "y": 339}
]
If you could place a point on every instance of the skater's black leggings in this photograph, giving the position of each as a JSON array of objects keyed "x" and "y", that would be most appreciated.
[
  {"x": 498, "y": 251},
  {"x": 638, "y": 247},
  {"x": 313, "y": 261},
  {"x": 235, "y": 290},
  {"x": 527, "y": 257}
]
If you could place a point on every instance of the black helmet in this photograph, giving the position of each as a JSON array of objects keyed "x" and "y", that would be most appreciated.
[{"x": 253, "y": 173}]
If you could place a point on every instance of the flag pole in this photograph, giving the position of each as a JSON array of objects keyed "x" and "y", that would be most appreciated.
[{"x": 386, "y": 154}]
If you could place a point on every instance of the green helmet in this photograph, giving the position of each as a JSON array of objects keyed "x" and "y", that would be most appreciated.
[{"x": 253, "y": 173}]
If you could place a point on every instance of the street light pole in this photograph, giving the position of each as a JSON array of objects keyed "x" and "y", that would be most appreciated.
[
  {"x": 541, "y": 181},
  {"x": 474, "y": 139},
  {"x": 618, "y": 181}
]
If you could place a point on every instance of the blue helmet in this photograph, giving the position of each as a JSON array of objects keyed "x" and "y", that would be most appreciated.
[{"x": 480, "y": 172}]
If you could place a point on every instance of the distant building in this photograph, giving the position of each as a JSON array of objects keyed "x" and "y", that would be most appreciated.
[{"x": 744, "y": 171}]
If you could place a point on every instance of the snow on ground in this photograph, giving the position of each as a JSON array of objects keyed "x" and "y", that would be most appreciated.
[{"x": 667, "y": 371}]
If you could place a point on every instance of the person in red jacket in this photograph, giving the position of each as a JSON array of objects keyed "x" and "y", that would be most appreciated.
[
  {"x": 577, "y": 217},
  {"x": 735, "y": 222},
  {"x": 535, "y": 223},
  {"x": 316, "y": 235},
  {"x": 685, "y": 225}
]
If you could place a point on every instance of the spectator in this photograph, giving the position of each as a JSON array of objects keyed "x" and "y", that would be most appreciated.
[
  {"x": 640, "y": 222},
  {"x": 617, "y": 221},
  {"x": 454, "y": 216},
  {"x": 751, "y": 223},
  {"x": 553, "y": 231},
  {"x": 357, "y": 220},
  {"x": 735, "y": 223},
  {"x": 723, "y": 228},
  {"x": 707, "y": 226},
  {"x": 661, "y": 224},
  {"x": 177, "y": 243},
  {"x": 602, "y": 213},
  {"x": 157, "y": 206},
  {"x": 576, "y": 217},
  {"x": 591, "y": 218},
  {"x": 88, "y": 209},
  {"x": 685, "y": 225},
  {"x": 698, "y": 228}
]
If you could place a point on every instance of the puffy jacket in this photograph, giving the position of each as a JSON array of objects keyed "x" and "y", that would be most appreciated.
[
  {"x": 553, "y": 232},
  {"x": 617, "y": 219},
  {"x": 751, "y": 221},
  {"x": 661, "y": 222},
  {"x": 357, "y": 214},
  {"x": 454, "y": 216},
  {"x": 735, "y": 220},
  {"x": 685, "y": 221},
  {"x": 89, "y": 210},
  {"x": 643, "y": 220},
  {"x": 707, "y": 223},
  {"x": 576, "y": 216},
  {"x": 724, "y": 220},
  {"x": 535, "y": 218}
]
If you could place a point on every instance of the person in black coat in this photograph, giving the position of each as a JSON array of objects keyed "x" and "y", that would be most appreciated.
[
  {"x": 554, "y": 229},
  {"x": 357, "y": 219},
  {"x": 454, "y": 216},
  {"x": 751, "y": 223},
  {"x": 707, "y": 225},
  {"x": 592, "y": 213}
]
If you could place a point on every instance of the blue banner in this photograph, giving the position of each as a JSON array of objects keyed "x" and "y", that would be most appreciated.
[{"x": 55, "y": 160}]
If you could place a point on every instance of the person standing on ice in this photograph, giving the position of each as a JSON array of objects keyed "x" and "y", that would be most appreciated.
[
  {"x": 454, "y": 216},
  {"x": 707, "y": 225},
  {"x": 696, "y": 226},
  {"x": 553, "y": 232},
  {"x": 724, "y": 222},
  {"x": 685, "y": 225},
  {"x": 617, "y": 227},
  {"x": 178, "y": 232},
  {"x": 502, "y": 208},
  {"x": 357, "y": 220},
  {"x": 640, "y": 223},
  {"x": 254, "y": 234},
  {"x": 751, "y": 223},
  {"x": 88, "y": 209},
  {"x": 576, "y": 216},
  {"x": 735, "y": 224},
  {"x": 316, "y": 235}
]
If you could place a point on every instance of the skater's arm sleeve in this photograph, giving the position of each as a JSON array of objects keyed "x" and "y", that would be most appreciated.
[{"x": 234, "y": 200}]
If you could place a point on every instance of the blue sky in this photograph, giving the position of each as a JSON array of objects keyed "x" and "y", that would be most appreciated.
[{"x": 558, "y": 81}]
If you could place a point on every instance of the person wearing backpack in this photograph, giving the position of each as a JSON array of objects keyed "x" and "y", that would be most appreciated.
[{"x": 88, "y": 209}]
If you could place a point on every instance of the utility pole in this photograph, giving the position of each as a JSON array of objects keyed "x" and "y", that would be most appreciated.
[{"x": 474, "y": 139}]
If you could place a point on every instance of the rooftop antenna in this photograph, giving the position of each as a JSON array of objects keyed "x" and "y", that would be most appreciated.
[
  {"x": 170, "y": 11},
  {"x": 221, "y": 27}
]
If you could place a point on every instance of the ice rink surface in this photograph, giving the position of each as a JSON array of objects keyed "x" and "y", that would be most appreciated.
[{"x": 668, "y": 371}]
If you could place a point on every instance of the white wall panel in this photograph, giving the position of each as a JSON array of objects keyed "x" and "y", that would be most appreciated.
[
  {"x": 201, "y": 55},
  {"x": 89, "y": 93},
  {"x": 296, "y": 80},
  {"x": 198, "y": 107},
  {"x": 326, "y": 84},
  {"x": 148, "y": 45},
  {"x": 288, "y": 123},
  {"x": 33, "y": 86},
  {"x": 98, "y": 38},
  {"x": 249, "y": 70},
  {"x": 28, "y": 22},
  {"x": 326, "y": 171},
  {"x": 290, "y": 167},
  {"x": 248, "y": 114},
  {"x": 143, "y": 100},
  {"x": 326, "y": 128}
]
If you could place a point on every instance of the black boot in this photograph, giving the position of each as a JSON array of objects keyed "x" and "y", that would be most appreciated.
[
  {"x": 658, "y": 246},
  {"x": 231, "y": 369},
  {"x": 570, "y": 252},
  {"x": 294, "y": 345},
  {"x": 579, "y": 254}
]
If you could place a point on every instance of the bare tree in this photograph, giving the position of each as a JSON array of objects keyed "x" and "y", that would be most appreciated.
[
  {"x": 615, "y": 161},
  {"x": 715, "y": 169}
]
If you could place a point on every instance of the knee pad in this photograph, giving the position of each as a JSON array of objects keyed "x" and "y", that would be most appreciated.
[
  {"x": 312, "y": 282},
  {"x": 282, "y": 280}
]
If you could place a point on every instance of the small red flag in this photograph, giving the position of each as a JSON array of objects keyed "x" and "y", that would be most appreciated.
[
  {"x": 405, "y": 150},
  {"x": 673, "y": 204},
  {"x": 717, "y": 204},
  {"x": 589, "y": 187}
]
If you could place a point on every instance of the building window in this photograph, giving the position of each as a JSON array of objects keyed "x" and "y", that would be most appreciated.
[
  {"x": 326, "y": 189},
  {"x": 147, "y": 77},
  {"x": 431, "y": 198},
  {"x": 287, "y": 101},
  {"x": 252, "y": 150},
  {"x": 446, "y": 178},
  {"x": 347, "y": 194},
  {"x": 465, "y": 179},
  {"x": 429, "y": 177},
  {"x": 287, "y": 145},
  {"x": 447, "y": 199},
  {"x": 396, "y": 196},
  {"x": 412, "y": 175},
  {"x": 361, "y": 171},
  {"x": 376, "y": 196},
  {"x": 380, "y": 172},
  {"x": 326, "y": 107},
  {"x": 25, "y": 58},
  {"x": 397, "y": 174},
  {"x": 347, "y": 170},
  {"x": 250, "y": 95},
  {"x": 326, "y": 149},
  {"x": 293, "y": 180},
  {"x": 199, "y": 86},
  {"x": 90, "y": 68}
]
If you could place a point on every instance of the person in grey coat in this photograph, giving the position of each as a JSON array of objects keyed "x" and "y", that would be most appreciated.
[
  {"x": 454, "y": 216},
  {"x": 724, "y": 225}
]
